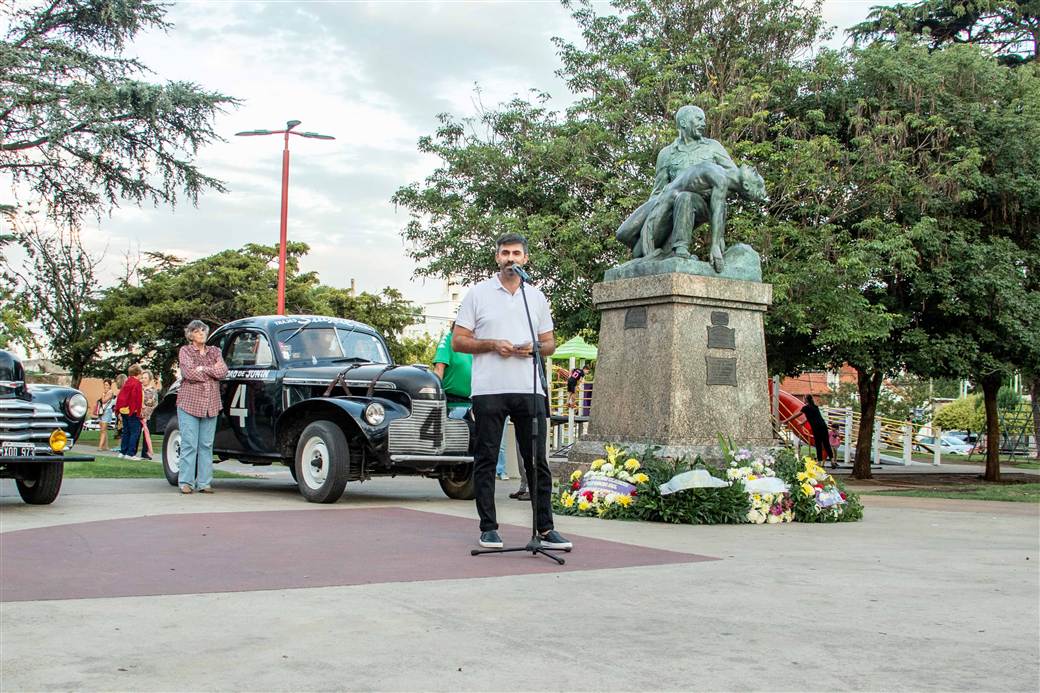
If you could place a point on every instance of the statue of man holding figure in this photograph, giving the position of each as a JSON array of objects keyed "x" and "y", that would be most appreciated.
[{"x": 689, "y": 207}]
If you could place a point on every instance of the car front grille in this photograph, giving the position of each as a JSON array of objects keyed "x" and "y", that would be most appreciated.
[
  {"x": 29, "y": 422},
  {"x": 422, "y": 433}
]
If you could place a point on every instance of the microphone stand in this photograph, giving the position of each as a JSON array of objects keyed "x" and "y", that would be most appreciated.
[{"x": 534, "y": 546}]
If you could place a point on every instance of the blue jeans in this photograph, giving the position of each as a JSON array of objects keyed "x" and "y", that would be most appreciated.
[
  {"x": 131, "y": 435},
  {"x": 500, "y": 468},
  {"x": 196, "y": 458}
]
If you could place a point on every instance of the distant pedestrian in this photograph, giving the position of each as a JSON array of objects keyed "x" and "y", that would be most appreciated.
[
  {"x": 105, "y": 411},
  {"x": 128, "y": 405},
  {"x": 150, "y": 400},
  {"x": 818, "y": 426},
  {"x": 834, "y": 436},
  {"x": 120, "y": 381},
  {"x": 198, "y": 404},
  {"x": 573, "y": 381}
]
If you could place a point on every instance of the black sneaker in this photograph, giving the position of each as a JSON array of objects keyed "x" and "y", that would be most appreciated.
[
  {"x": 554, "y": 540},
  {"x": 490, "y": 540}
]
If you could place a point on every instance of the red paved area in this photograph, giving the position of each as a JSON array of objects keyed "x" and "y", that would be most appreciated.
[{"x": 236, "y": 552}]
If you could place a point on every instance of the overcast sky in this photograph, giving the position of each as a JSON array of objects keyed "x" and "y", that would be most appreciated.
[{"x": 374, "y": 75}]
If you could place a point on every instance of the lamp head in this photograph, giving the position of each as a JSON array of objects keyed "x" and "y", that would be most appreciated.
[{"x": 290, "y": 124}]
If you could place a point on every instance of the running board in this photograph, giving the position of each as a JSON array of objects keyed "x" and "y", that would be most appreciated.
[{"x": 435, "y": 459}]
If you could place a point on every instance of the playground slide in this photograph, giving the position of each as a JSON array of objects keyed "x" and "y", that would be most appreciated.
[{"x": 789, "y": 404}]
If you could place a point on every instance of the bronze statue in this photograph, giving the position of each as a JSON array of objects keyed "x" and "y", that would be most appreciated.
[
  {"x": 707, "y": 185},
  {"x": 702, "y": 172}
]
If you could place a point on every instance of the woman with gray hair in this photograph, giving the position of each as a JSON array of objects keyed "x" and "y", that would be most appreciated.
[{"x": 198, "y": 403}]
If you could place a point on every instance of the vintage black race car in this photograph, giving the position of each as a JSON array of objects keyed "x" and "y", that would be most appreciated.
[
  {"x": 323, "y": 396},
  {"x": 38, "y": 424}
]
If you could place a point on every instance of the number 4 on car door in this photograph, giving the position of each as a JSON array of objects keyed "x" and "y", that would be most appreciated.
[{"x": 238, "y": 405}]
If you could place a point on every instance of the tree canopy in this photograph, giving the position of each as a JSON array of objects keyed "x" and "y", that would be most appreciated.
[
  {"x": 566, "y": 180},
  {"x": 144, "y": 318},
  {"x": 1009, "y": 28},
  {"x": 895, "y": 170},
  {"x": 79, "y": 129}
]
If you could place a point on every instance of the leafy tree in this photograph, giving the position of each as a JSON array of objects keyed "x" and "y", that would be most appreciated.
[
  {"x": 58, "y": 286},
  {"x": 417, "y": 350},
  {"x": 389, "y": 313},
  {"x": 144, "y": 320},
  {"x": 898, "y": 399},
  {"x": 1009, "y": 28},
  {"x": 567, "y": 180},
  {"x": 13, "y": 313},
  {"x": 887, "y": 165},
  {"x": 78, "y": 128},
  {"x": 964, "y": 414}
]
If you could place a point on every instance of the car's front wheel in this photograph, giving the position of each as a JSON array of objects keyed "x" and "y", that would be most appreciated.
[
  {"x": 457, "y": 482},
  {"x": 42, "y": 482},
  {"x": 322, "y": 462},
  {"x": 171, "y": 451}
]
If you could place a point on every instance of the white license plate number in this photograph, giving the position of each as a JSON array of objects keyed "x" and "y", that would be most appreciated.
[{"x": 17, "y": 450}]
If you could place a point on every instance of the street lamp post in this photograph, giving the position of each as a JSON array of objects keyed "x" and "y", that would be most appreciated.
[{"x": 285, "y": 195}]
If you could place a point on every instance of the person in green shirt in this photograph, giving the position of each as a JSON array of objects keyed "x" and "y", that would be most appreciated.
[{"x": 455, "y": 371}]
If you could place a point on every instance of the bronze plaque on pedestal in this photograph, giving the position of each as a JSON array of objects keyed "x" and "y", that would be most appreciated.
[
  {"x": 721, "y": 371},
  {"x": 635, "y": 317}
]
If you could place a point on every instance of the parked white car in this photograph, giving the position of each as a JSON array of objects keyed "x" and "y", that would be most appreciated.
[{"x": 948, "y": 446}]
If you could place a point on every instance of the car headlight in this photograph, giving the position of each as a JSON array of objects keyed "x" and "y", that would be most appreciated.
[
  {"x": 76, "y": 406},
  {"x": 375, "y": 413},
  {"x": 58, "y": 440}
]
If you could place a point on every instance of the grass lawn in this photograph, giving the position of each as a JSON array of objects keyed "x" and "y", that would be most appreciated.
[
  {"x": 1027, "y": 465},
  {"x": 107, "y": 466},
  {"x": 91, "y": 438},
  {"x": 1026, "y": 493}
]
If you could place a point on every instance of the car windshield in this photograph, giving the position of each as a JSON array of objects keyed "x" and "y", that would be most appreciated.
[{"x": 330, "y": 345}]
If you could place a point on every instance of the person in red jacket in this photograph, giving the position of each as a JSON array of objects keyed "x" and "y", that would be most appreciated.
[{"x": 128, "y": 406}]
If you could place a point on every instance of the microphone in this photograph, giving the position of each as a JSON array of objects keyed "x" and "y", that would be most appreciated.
[{"x": 519, "y": 271}]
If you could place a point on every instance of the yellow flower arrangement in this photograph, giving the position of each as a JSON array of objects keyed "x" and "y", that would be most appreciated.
[
  {"x": 597, "y": 463},
  {"x": 631, "y": 464},
  {"x": 625, "y": 501},
  {"x": 640, "y": 478},
  {"x": 584, "y": 505},
  {"x": 575, "y": 475},
  {"x": 807, "y": 490}
]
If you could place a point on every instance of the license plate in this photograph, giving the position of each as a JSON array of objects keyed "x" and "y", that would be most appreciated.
[{"x": 17, "y": 450}]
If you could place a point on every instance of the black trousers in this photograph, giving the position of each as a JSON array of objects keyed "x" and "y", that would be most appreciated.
[
  {"x": 491, "y": 412},
  {"x": 822, "y": 440}
]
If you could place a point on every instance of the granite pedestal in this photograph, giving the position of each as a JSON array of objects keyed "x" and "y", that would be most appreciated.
[{"x": 681, "y": 360}]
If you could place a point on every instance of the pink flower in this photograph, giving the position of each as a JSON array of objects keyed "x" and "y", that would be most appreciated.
[{"x": 576, "y": 485}]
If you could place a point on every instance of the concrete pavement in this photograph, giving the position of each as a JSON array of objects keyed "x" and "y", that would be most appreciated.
[{"x": 912, "y": 598}]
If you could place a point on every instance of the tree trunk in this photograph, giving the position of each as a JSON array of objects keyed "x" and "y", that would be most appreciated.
[
  {"x": 1034, "y": 394},
  {"x": 869, "y": 385},
  {"x": 990, "y": 387}
]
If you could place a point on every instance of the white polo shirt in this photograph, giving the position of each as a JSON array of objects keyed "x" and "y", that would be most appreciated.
[{"x": 491, "y": 312}]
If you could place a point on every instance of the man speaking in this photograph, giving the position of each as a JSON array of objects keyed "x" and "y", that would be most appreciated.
[{"x": 492, "y": 325}]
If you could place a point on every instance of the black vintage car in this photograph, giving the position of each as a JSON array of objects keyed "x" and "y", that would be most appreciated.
[
  {"x": 323, "y": 396},
  {"x": 38, "y": 424}
]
